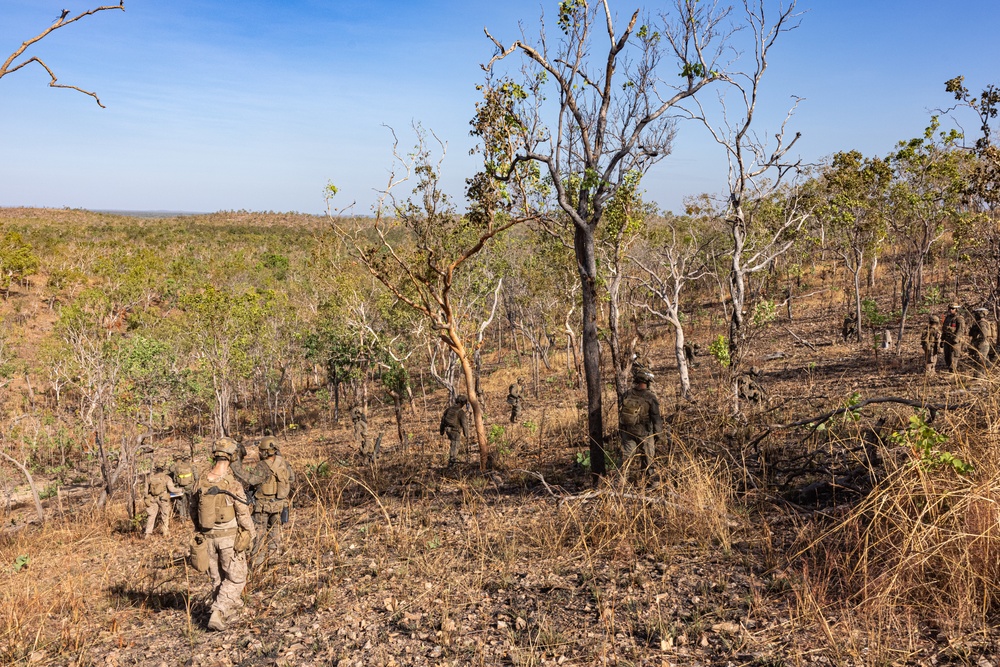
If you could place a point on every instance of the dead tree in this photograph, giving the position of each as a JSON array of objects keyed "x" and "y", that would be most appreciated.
[{"x": 14, "y": 61}]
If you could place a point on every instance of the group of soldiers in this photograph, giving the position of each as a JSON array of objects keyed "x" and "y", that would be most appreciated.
[
  {"x": 951, "y": 335},
  {"x": 237, "y": 505},
  {"x": 640, "y": 422}
]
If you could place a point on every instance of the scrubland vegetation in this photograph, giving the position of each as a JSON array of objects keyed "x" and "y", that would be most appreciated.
[
  {"x": 847, "y": 517},
  {"x": 825, "y": 524}
]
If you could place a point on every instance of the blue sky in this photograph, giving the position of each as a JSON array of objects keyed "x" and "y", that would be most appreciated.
[{"x": 217, "y": 105}]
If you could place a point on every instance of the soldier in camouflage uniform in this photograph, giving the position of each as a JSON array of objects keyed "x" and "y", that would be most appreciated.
[
  {"x": 640, "y": 425},
  {"x": 953, "y": 337},
  {"x": 360, "y": 421},
  {"x": 269, "y": 483},
  {"x": 182, "y": 472},
  {"x": 455, "y": 425},
  {"x": 271, "y": 501},
  {"x": 982, "y": 333},
  {"x": 223, "y": 520},
  {"x": 930, "y": 342},
  {"x": 514, "y": 399},
  {"x": 159, "y": 487}
]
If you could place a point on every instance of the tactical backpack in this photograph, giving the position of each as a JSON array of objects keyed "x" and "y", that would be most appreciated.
[
  {"x": 451, "y": 417},
  {"x": 157, "y": 486},
  {"x": 214, "y": 509},
  {"x": 185, "y": 474},
  {"x": 634, "y": 411}
]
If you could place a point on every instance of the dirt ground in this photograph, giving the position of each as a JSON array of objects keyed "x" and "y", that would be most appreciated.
[{"x": 412, "y": 563}]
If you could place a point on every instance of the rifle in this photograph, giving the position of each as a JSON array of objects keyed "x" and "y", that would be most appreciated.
[{"x": 214, "y": 491}]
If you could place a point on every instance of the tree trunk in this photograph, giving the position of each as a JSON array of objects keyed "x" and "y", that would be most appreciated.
[
  {"x": 618, "y": 362},
  {"x": 682, "y": 365},
  {"x": 31, "y": 484},
  {"x": 583, "y": 242}
]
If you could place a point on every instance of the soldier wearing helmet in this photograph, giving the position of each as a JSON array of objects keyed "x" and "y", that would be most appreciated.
[
  {"x": 183, "y": 475},
  {"x": 455, "y": 425},
  {"x": 640, "y": 425},
  {"x": 953, "y": 332},
  {"x": 930, "y": 343},
  {"x": 271, "y": 500},
  {"x": 514, "y": 394},
  {"x": 982, "y": 334},
  {"x": 223, "y": 521},
  {"x": 159, "y": 488}
]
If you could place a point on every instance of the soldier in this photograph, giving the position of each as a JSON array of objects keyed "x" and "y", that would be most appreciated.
[
  {"x": 981, "y": 334},
  {"x": 952, "y": 337},
  {"x": 455, "y": 426},
  {"x": 183, "y": 475},
  {"x": 930, "y": 341},
  {"x": 640, "y": 425},
  {"x": 360, "y": 421},
  {"x": 223, "y": 521},
  {"x": 158, "y": 489},
  {"x": 270, "y": 508},
  {"x": 514, "y": 400}
]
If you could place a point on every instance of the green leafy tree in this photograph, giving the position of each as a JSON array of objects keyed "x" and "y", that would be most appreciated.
[
  {"x": 612, "y": 123},
  {"x": 223, "y": 329},
  {"x": 929, "y": 182},
  {"x": 417, "y": 247},
  {"x": 856, "y": 206},
  {"x": 17, "y": 260}
]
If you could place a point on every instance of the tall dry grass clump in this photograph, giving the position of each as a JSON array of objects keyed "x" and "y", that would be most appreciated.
[
  {"x": 923, "y": 548},
  {"x": 690, "y": 500}
]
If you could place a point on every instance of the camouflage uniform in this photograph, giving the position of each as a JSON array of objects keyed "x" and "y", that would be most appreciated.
[
  {"x": 981, "y": 334},
  {"x": 157, "y": 493},
  {"x": 271, "y": 501},
  {"x": 640, "y": 425},
  {"x": 360, "y": 421},
  {"x": 185, "y": 478},
  {"x": 222, "y": 521},
  {"x": 930, "y": 342},
  {"x": 455, "y": 426},
  {"x": 514, "y": 400},
  {"x": 952, "y": 337}
]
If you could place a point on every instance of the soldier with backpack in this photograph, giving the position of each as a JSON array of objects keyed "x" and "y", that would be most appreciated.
[
  {"x": 159, "y": 487},
  {"x": 271, "y": 503},
  {"x": 640, "y": 425},
  {"x": 514, "y": 394},
  {"x": 183, "y": 475},
  {"x": 455, "y": 425},
  {"x": 225, "y": 532}
]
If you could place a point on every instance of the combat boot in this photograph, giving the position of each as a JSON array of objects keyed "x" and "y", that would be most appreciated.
[{"x": 217, "y": 621}]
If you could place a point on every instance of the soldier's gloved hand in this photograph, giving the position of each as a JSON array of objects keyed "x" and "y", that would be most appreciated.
[{"x": 241, "y": 451}]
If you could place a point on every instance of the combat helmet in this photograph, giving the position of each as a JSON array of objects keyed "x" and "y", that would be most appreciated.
[
  {"x": 268, "y": 447},
  {"x": 932, "y": 319},
  {"x": 642, "y": 374},
  {"x": 461, "y": 399},
  {"x": 224, "y": 448}
]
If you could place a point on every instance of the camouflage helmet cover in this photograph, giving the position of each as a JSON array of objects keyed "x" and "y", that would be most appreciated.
[
  {"x": 932, "y": 319},
  {"x": 224, "y": 448},
  {"x": 268, "y": 447},
  {"x": 642, "y": 374}
]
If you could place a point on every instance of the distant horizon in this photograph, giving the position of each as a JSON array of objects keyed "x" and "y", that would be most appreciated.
[{"x": 216, "y": 108}]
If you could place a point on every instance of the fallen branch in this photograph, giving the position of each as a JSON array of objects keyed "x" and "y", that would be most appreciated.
[{"x": 804, "y": 342}]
